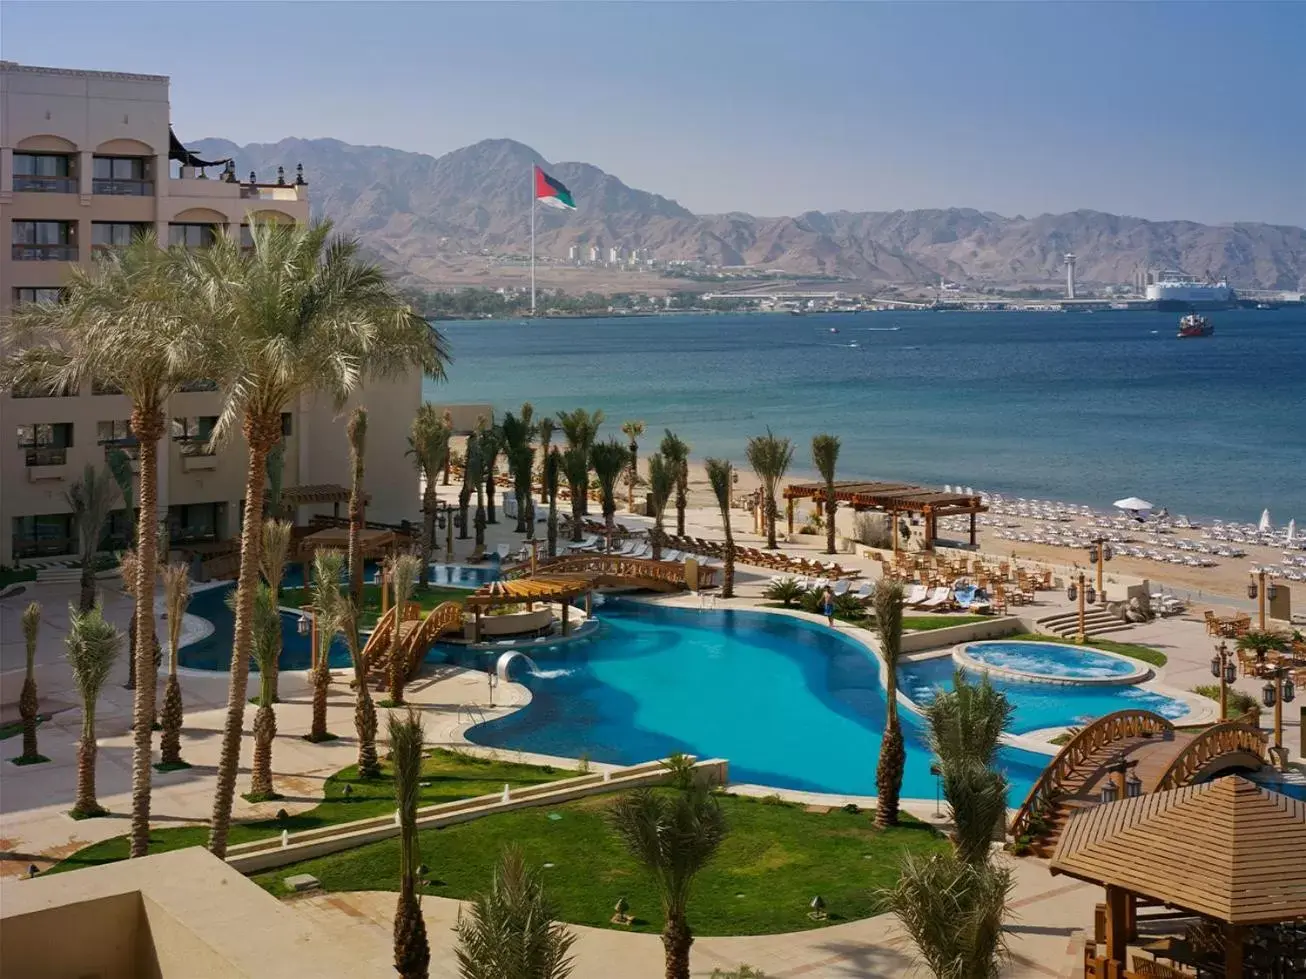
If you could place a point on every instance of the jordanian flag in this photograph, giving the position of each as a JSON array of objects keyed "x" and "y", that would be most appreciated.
[{"x": 552, "y": 192}]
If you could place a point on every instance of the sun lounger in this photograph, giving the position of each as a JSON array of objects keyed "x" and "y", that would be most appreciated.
[
  {"x": 916, "y": 595},
  {"x": 864, "y": 592},
  {"x": 841, "y": 587},
  {"x": 939, "y": 598}
]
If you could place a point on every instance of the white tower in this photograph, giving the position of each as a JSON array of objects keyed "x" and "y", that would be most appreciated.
[{"x": 1070, "y": 276}]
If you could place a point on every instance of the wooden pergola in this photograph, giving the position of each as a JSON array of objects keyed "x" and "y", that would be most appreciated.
[
  {"x": 315, "y": 494},
  {"x": 561, "y": 588},
  {"x": 893, "y": 499},
  {"x": 1228, "y": 850}
]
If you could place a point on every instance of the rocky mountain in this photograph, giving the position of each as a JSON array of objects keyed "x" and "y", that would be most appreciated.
[{"x": 424, "y": 214}]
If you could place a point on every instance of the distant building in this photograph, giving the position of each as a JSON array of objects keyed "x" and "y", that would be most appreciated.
[
  {"x": 573, "y": 254},
  {"x": 594, "y": 254},
  {"x": 614, "y": 255},
  {"x": 1070, "y": 276}
]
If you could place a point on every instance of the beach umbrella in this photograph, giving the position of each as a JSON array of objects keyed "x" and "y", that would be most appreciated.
[
  {"x": 1265, "y": 526},
  {"x": 1292, "y": 531},
  {"x": 1133, "y": 504}
]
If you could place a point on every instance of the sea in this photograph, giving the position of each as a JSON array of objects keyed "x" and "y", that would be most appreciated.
[{"x": 1080, "y": 407}]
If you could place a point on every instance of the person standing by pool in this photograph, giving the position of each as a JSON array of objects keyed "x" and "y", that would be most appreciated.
[{"x": 827, "y": 604}]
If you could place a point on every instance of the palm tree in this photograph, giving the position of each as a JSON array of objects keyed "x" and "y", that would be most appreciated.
[
  {"x": 545, "y": 428},
  {"x": 127, "y": 324},
  {"x": 447, "y": 418},
  {"x": 356, "y": 431},
  {"x": 576, "y": 468},
  {"x": 893, "y": 754},
  {"x": 404, "y": 569},
  {"x": 491, "y": 446},
  {"x": 674, "y": 835},
  {"x": 128, "y": 567},
  {"x": 509, "y": 933},
  {"x": 661, "y": 479},
  {"x": 92, "y": 647},
  {"x": 770, "y": 457},
  {"x": 581, "y": 429},
  {"x": 91, "y": 500},
  {"x": 610, "y": 460},
  {"x": 28, "y": 705},
  {"x": 825, "y": 454},
  {"x": 471, "y": 478},
  {"x": 267, "y": 645},
  {"x": 298, "y": 312},
  {"x": 327, "y": 568},
  {"x": 675, "y": 451},
  {"x": 412, "y": 950},
  {"x": 484, "y": 445},
  {"x": 552, "y": 474},
  {"x": 633, "y": 430},
  {"x": 977, "y": 803},
  {"x": 428, "y": 443},
  {"x": 517, "y": 433},
  {"x": 275, "y": 554},
  {"x": 176, "y": 596},
  {"x": 720, "y": 475},
  {"x": 953, "y": 911},
  {"x": 276, "y": 472}
]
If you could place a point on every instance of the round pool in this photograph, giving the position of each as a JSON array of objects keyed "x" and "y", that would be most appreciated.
[{"x": 1050, "y": 662}]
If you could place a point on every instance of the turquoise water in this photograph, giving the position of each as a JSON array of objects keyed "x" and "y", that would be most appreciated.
[
  {"x": 789, "y": 702},
  {"x": 1041, "y": 705},
  {"x": 1050, "y": 659},
  {"x": 1071, "y": 406}
]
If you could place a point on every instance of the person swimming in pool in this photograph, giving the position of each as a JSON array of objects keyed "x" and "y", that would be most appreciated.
[{"x": 827, "y": 604}]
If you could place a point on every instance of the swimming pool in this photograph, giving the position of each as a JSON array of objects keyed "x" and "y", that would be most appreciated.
[
  {"x": 1052, "y": 662},
  {"x": 1040, "y": 705},
  {"x": 789, "y": 702}
]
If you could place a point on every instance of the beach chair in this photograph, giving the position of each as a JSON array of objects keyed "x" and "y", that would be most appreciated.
[
  {"x": 841, "y": 587},
  {"x": 864, "y": 592},
  {"x": 939, "y": 598},
  {"x": 915, "y": 595},
  {"x": 1212, "y": 623}
]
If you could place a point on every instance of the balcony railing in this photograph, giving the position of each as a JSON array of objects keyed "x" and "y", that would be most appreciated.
[
  {"x": 124, "y": 188},
  {"x": 44, "y": 253},
  {"x": 201, "y": 385},
  {"x": 46, "y": 185},
  {"x": 47, "y": 457}
]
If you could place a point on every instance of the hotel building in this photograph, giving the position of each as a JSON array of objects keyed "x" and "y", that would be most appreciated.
[{"x": 87, "y": 160}]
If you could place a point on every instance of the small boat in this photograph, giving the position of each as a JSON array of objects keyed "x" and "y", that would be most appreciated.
[
  {"x": 1193, "y": 325},
  {"x": 834, "y": 329}
]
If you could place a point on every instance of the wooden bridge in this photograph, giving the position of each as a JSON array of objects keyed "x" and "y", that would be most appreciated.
[
  {"x": 417, "y": 633},
  {"x": 1128, "y": 745},
  {"x": 615, "y": 571}
]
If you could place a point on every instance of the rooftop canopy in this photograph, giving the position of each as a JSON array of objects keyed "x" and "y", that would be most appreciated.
[
  {"x": 891, "y": 496},
  {"x": 1228, "y": 850},
  {"x": 375, "y": 542}
]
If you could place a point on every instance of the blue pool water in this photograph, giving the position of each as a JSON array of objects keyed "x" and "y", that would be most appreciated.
[
  {"x": 1040, "y": 705},
  {"x": 790, "y": 703},
  {"x": 1051, "y": 660}
]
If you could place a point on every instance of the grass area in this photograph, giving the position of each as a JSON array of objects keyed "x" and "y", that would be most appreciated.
[
  {"x": 1239, "y": 703},
  {"x": 15, "y": 728},
  {"x": 776, "y": 858},
  {"x": 1062, "y": 738},
  {"x": 10, "y": 576},
  {"x": 446, "y": 775},
  {"x": 1148, "y": 654},
  {"x": 433, "y": 596}
]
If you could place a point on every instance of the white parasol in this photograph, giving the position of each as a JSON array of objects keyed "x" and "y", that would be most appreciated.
[
  {"x": 1265, "y": 526},
  {"x": 1292, "y": 531},
  {"x": 1133, "y": 504}
]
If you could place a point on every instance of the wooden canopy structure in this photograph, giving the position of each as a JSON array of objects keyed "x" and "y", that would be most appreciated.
[
  {"x": 893, "y": 499},
  {"x": 560, "y": 588},
  {"x": 315, "y": 494},
  {"x": 376, "y": 543},
  {"x": 1226, "y": 850}
]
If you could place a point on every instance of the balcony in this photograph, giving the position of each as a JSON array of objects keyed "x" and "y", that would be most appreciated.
[
  {"x": 198, "y": 462},
  {"x": 45, "y": 185},
  {"x": 123, "y": 187},
  {"x": 46, "y": 456},
  {"x": 44, "y": 253}
]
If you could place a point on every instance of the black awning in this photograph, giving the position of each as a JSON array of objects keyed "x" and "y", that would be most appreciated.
[{"x": 185, "y": 157}]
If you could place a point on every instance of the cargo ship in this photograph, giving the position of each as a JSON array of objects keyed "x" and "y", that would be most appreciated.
[
  {"x": 1193, "y": 325},
  {"x": 1179, "y": 293}
]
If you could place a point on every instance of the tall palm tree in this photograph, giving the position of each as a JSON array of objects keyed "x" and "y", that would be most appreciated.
[
  {"x": 517, "y": 433},
  {"x": 673, "y": 835},
  {"x": 276, "y": 473},
  {"x": 509, "y": 932},
  {"x": 661, "y": 479},
  {"x": 267, "y": 645},
  {"x": 356, "y": 431},
  {"x": 552, "y": 474},
  {"x": 275, "y": 554},
  {"x": 720, "y": 475},
  {"x": 675, "y": 451},
  {"x": 953, "y": 911},
  {"x": 129, "y": 566},
  {"x": 447, "y": 418},
  {"x": 545, "y": 428},
  {"x": 92, "y": 647},
  {"x": 128, "y": 324},
  {"x": 893, "y": 753},
  {"x": 298, "y": 312},
  {"x": 327, "y": 568},
  {"x": 428, "y": 444},
  {"x": 770, "y": 458},
  {"x": 404, "y": 569},
  {"x": 471, "y": 478},
  {"x": 633, "y": 430},
  {"x": 581, "y": 429},
  {"x": 825, "y": 455},
  {"x": 610, "y": 460},
  {"x": 176, "y": 596},
  {"x": 28, "y": 705},
  {"x": 91, "y": 500},
  {"x": 484, "y": 446},
  {"x": 491, "y": 446},
  {"x": 576, "y": 467},
  {"x": 412, "y": 950}
]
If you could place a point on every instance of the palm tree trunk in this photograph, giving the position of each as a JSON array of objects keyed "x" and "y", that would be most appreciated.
[
  {"x": 86, "y": 804},
  {"x": 676, "y": 940},
  {"x": 265, "y": 730},
  {"x": 131, "y": 657},
  {"x": 830, "y": 506},
  {"x": 464, "y": 503},
  {"x": 261, "y": 434},
  {"x": 771, "y": 514},
  {"x": 489, "y": 497},
  {"x": 148, "y": 426},
  {"x": 87, "y": 600},
  {"x": 682, "y": 488},
  {"x": 29, "y": 711},
  {"x": 427, "y": 543},
  {"x": 657, "y": 537},
  {"x": 553, "y": 526},
  {"x": 728, "y": 575},
  {"x": 356, "y": 517},
  {"x": 172, "y": 717},
  {"x": 631, "y": 475},
  {"x": 479, "y": 520},
  {"x": 398, "y": 672},
  {"x": 888, "y": 774},
  {"x": 412, "y": 950},
  {"x": 365, "y": 728},
  {"x": 321, "y": 683},
  {"x": 577, "y": 512}
]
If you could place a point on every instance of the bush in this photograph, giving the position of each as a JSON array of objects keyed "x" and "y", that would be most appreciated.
[
  {"x": 1239, "y": 703},
  {"x": 872, "y": 529},
  {"x": 785, "y": 591}
]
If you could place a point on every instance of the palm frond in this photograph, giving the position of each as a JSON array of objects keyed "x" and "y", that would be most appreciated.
[
  {"x": 91, "y": 648},
  {"x": 275, "y": 553}
]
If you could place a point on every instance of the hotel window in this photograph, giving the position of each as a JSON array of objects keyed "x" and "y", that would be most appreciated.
[
  {"x": 246, "y": 237},
  {"x": 117, "y": 434},
  {"x": 287, "y": 424},
  {"x": 117, "y": 530},
  {"x": 193, "y": 434},
  {"x": 46, "y": 444},
  {"x": 48, "y": 295},
  {"x": 122, "y": 175},
  {"x": 44, "y": 173},
  {"x": 191, "y": 522},
  {"x": 37, "y": 241},
  {"x": 43, "y": 535},
  {"x": 115, "y": 234},
  {"x": 192, "y": 235}
]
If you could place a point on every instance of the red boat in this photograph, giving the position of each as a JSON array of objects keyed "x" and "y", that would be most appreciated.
[{"x": 1193, "y": 325}]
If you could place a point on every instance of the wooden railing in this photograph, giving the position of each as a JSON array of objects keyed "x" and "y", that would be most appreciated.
[
  {"x": 445, "y": 617},
  {"x": 376, "y": 652},
  {"x": 1105, "y": 730},
  {"x": 613, "y": 565},
  {"x": 1219, "y": 739}
]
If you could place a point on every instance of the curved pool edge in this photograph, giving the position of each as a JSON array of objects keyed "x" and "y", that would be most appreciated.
[{"x": 1138, "y": 674}]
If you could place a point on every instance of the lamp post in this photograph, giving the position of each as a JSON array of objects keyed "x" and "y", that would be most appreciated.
[
  {"x": 307, "y": 626},
  {"x": 1261, "y": 589},
  {"x": 1081, "y": 593},
  {"x": 1099, "y": 554},
  {"x": 1278, "y": 690},
  {"x": 1224, "y": 670}
]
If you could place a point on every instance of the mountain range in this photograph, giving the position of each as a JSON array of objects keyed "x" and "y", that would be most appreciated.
[{"x": 425, "y": 215}]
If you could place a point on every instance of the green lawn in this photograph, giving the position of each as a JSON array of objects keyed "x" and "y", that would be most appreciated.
[
  {"x": 775, "y": 859},
  {"x": 1148, "y": 654},
  {"x": 450, "y": 776},
  {"x": 433, "y": 596},
  {"x": 9, "y": 576}
]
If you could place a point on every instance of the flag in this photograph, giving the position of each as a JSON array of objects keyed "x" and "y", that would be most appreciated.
[{"x": 552, "y": 192}]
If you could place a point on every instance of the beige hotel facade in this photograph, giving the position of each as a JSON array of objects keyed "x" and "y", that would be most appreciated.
[{"x": 88, "y": 159}]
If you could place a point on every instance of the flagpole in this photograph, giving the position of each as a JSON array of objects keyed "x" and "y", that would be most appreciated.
[{"x": 532, "y": 239}]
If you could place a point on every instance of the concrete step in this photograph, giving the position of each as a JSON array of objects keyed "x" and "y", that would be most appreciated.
[{"x": 49, "y": 576}]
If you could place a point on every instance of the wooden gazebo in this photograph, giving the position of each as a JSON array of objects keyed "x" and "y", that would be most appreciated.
[
  {"x": 316, "y": 494},
  {"x": 1228, "y": 851},
  {"x": 893, "y": 499},
  {"x": 561, "y": 588}
]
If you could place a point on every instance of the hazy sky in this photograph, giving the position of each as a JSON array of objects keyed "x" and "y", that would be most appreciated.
[{"x": 1168, "y": 110}]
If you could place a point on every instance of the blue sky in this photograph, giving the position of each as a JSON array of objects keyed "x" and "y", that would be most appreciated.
[{"x": 1168, "y": 110}]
